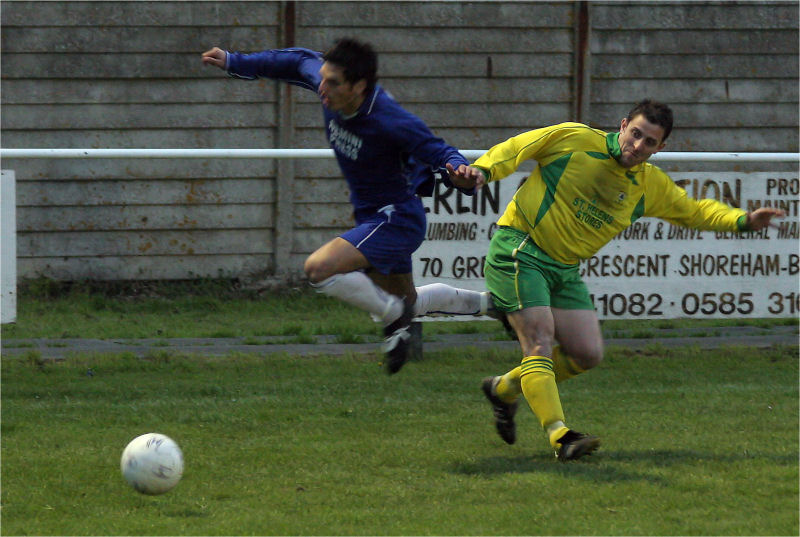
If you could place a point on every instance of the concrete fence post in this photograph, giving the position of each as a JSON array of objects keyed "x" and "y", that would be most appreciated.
[{"x": 8, "y": 247}]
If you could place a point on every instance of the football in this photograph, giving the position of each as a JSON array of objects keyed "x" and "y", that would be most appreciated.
[{"x": 152, "y": 463}]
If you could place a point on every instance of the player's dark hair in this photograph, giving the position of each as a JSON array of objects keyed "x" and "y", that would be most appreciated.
[
  {"x": 358, "y": 60},
  {"x": 655, "y": 112}
]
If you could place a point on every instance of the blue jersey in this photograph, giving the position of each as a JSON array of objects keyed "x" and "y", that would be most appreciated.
[{"x": 387, "y": 154}]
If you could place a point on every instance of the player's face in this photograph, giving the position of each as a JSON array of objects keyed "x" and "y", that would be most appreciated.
[
  {"x": 337, "y": 93},
  {"x": 638, "y": 139}
]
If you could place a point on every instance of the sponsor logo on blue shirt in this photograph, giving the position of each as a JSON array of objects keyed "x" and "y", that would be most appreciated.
[{"x": 344, "y": 141}]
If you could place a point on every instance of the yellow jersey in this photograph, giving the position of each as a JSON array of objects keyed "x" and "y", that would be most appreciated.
[{"x": 579, "y": 197}]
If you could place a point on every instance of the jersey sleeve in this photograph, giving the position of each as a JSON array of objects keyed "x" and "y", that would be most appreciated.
[
  {"x": 504, "y": 158},
  {"x": 297, "y": 66},
  {"x": 666, "y": 200},
  {"x": 413, "y": 137}
]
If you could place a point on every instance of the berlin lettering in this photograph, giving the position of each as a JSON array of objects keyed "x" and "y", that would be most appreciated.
[{"x": 450, "y": 200}]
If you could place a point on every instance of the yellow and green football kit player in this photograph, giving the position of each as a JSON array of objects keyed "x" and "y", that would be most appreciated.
[{"x": 576, "y": 200}]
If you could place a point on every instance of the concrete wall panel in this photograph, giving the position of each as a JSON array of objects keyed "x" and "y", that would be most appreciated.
[
  {"x": 138, "y": 217},
  {"x": 167, "y": 192},
  {"x": 148, "y": 267},
  {"x": 128, "y": 74},
  {"x": 156, "y": 242}
]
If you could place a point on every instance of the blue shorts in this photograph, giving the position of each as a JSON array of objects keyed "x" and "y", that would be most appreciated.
[{"x": 388, "y": 237}]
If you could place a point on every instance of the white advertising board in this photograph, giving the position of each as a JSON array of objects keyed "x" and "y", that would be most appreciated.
[
  {"x": 653, "y": 269},
  {"x": 8, "y": 247}
]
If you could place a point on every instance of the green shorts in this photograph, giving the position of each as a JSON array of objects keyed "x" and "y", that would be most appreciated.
[{"x": 520, "y": 275}]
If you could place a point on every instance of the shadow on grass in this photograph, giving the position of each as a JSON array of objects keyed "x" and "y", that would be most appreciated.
[
  {"x": 669, "y": 457},
  {"x": 593, "y": 468},
  {"x": 611, "y": 465}
]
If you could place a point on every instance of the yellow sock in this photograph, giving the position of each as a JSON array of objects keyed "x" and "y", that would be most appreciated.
[
  {"x": 539, "y": 387},
  {"x": 564, "y": 365},
  {"x": 509, "y": 388},
  {"x": 555, "y": 432}
]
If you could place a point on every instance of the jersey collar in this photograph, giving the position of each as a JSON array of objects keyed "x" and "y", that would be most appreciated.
[
  {"x": 612, "y": 144},
  {"x": 365, "y": 108}
]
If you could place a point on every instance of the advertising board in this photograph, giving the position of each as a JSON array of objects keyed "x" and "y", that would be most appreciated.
[{"x": 653, "y": 269}]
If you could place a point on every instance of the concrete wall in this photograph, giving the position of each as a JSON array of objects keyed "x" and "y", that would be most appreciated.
[{"x": 127, "y": 74}]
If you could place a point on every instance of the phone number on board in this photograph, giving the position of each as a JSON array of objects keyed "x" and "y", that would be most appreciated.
[{"x": 653, "y": 304}]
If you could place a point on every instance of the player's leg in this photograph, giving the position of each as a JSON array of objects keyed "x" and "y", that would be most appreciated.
[
  {"x": 401, "y": 285},
  {"x": 432, "y": 299},
  {"x": 580, "y": 341},
  {"x": 387, "y": 239},
  {"x": 335, "y": 269},
  {"x": 337, "y": 256},
  {"x": 397, "y": 334},
  {"x": 577, "y": 328},
  {"x": 522, "y": 293},
  {"x": 535, "y": 328},
  {"x": 579, "y": 348},
  {"x": 520, "y": 277},
  {"x": 442, "y": 299}
]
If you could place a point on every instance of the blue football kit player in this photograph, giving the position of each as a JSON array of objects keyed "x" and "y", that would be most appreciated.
[{"x": 389, "y": 158}]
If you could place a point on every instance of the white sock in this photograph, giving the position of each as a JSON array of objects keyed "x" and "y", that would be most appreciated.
[
  {"x": 356, "y": 289},
  {"x": 441, "y": 299}
]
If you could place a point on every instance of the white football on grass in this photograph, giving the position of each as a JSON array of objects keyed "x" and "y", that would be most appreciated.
[{"x": 152, "y": 463}]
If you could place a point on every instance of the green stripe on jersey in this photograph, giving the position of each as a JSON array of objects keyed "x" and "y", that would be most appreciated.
[
  {"x": 551, "y": 174},
  {"x": 638, "y": 211}
]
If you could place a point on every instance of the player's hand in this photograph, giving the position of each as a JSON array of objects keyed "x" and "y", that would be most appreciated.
[
  {"x": 762, "y": 217},
  {"x": 216, "y": 57},
  {"x": 466, "y": 176}
]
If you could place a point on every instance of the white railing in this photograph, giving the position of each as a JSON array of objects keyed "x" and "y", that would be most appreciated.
[
  {"x": 671, "y": 156},
  {"x": 8, "y": 299}
]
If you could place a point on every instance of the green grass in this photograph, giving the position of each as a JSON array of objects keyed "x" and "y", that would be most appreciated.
[
  {"x": 82, "y": 314},
  {"x": 694, "y": 443},
  {"x": 214, "y": 309}
]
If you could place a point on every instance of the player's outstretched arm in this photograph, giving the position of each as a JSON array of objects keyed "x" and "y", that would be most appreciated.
[
  {"x": 762, "y": 217},
  {"x": 466, "y": 177},
  {"x": 216, "y": 57}
]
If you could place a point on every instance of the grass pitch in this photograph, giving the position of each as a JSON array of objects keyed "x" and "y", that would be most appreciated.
[
  {"x": 213, "y": 310},
  {"x": 694, "y": 443}
]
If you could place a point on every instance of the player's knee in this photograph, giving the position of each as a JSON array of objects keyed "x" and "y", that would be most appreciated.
[
  {"x": 589, "y": 355},
  {"x": 315, "y": 269},
  {"x": 535, "y": 343}
]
